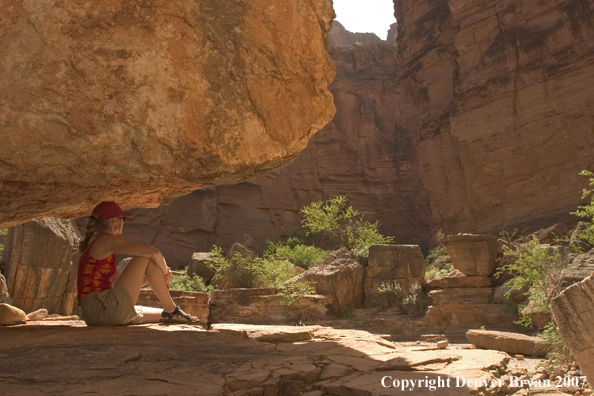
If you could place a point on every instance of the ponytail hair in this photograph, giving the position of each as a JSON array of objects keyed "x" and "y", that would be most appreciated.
[{"x": 95, "y": 226}]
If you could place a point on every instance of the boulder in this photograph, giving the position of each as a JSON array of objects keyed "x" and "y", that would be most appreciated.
[
  {"x": 10, "y": 315},
  {"x": 4, "y": 295},
  {"x": 403, "y": 264},
  {"x": 473, "y": 254},
  {"x": 197, "y": 266},
  {"x": 136, "y": 102},
  {"x": 512, "y": 343},
  {"x": 193, "y": 303},
  {"x": 40, "y": 314},
  {"x": 340, "y": 276},
  {"x": 41, "y": 259},
  {"x": 573, "y": 311},
  {"x": 581, "y": 267}
]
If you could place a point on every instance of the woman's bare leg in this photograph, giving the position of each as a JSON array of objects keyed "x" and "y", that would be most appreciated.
[{"x": 133, "y": 278}]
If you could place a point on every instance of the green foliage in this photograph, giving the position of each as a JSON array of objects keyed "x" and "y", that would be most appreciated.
[
  {"x": 293, "y": 292},
  {"x": 535, "y": 268},
  {"x": 587, "y": 211},
  {"x": 335, "y": 220},
  {"x": 190, "y": 283},
  {"x": 305, "y": 256},
  {"x": 559, "y": 354},
  {"x": 411, "y": 302},
  {"x": 439, "y": 263},
  {"x": 346, "y": 312},
  {"x": 259, "y": 272},
  {"x": 3, "y": 235}
]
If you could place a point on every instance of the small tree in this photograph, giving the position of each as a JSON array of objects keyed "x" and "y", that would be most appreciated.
[
  {"x": 587, "y": 210},
  {"x": 535, "y": 268},
  {"x": 335, "y": 220}
]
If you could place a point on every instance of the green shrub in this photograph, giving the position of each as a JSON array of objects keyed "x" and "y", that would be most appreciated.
[
  {"x": 535, "y": 267},
  {"x": 412, "y": 302},
  {"x": 3, "y": 235},
  {"x": 293, "y": 292},
  {"x": 559, "y": 354},
  {"x": 334, "y": 220},
  {"x": 305, "y": 256},
  {"x": 190, "y": 283},
  {"x": 587, "y": 211},
  {"x": 259, "y": 272},
  {"x": 438, "y": 264}
]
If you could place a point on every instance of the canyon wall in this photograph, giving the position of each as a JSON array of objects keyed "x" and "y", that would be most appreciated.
[
  {"x": 368, "y": 152},
  {"x": 508, "y": 111},
  {"x": 140, "y": 101}
]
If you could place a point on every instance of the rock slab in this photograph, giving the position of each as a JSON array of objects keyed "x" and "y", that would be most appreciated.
[
  {"x": 403, "y": 264},
  {"x": 264, "y": 306},
  {"x": 512, "y": 343},
  {"x": 41, "y": 261},
  {"x": 581, "y": 267},
  {"x": 473, "y": 255},
  {"x": 136, "y": 102},
  {"x": 573, "y": 311},
  {"x": 339, "y": 276}
]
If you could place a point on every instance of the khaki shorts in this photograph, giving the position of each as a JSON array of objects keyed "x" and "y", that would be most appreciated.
[{"x": 110, "y": 307}]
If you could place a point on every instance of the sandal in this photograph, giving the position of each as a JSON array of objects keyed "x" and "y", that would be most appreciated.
[{"x": 177, "y": 316}]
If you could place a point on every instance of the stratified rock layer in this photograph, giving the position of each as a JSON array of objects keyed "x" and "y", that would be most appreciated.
[
  {"x": 135, "y": 101},
  {"x": 41, "y": 259},
  {"x": 507, "y": 110}
]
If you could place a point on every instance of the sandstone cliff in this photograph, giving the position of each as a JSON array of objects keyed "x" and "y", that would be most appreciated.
[
  {"x": 508, "y": 109},
  {"x": 367, "y": 152},
  {"x": 137, "y": 101}
]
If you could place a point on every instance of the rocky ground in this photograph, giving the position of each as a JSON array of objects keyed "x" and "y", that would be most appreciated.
[{"x": 68, "y": 358}]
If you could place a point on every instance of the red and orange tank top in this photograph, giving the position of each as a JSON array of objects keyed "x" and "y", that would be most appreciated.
[{"x": 94, "y": 275}]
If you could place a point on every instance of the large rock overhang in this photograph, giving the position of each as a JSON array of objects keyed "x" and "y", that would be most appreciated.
[{"x": 139, "y": 101}]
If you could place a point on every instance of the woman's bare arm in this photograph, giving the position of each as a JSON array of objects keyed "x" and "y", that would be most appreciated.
[{"x": 110, "y": 244}]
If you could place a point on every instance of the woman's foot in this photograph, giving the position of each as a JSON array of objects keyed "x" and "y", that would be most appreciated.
[{"x": 177, "y": 316}]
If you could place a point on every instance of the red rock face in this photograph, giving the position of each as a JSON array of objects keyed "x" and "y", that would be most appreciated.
[
  {"x": 505, "y": 93},
  {"x": 137, "y": 101},
  {"x": 368, "y": 152}
]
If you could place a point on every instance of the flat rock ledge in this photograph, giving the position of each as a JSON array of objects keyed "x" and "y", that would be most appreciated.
[
  {"x": 69, "y": 358},
  {"x": 512, "y": 343}
]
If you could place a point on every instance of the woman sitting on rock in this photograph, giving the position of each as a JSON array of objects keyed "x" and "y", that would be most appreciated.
[{"x": 107, "y": 297}]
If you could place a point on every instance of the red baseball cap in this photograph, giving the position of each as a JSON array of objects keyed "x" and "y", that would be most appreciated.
[{"x": 108, "y": 209}]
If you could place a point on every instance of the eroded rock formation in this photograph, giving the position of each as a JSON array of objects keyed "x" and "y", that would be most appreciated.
[
  {"x": 507, "y": 110},
  {"x": 137, "y": 101},
  {"x": 41, "y": 259}
]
